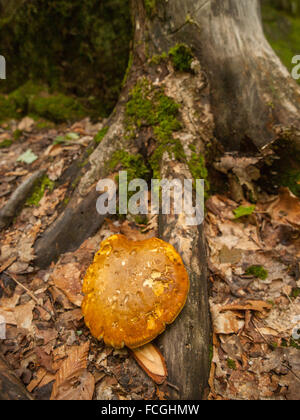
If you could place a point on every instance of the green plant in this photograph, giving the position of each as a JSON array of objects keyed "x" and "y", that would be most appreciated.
[
  {"x": 257, "y": 271},
  {"x": 101, "y": 134},
  {"x": 243, "y": 211},
  {"x": 41, "y": 186},
  {"x": 182, "y": 57}
]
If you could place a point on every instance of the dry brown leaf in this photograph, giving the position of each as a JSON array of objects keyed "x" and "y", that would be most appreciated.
[
  {"x": 68, "y": 279},
  {"x": 249, "y": 305},
  {"x": 7, "y": 264},
  {"x": 73, "y": 381},
  {"x": 152, "y": 361},
  {"x": 40, "y": 374},
  {"x": 285, "y": 209},
  {"x": 226, "y": 322},
  {"x": 21, "y": 315}
]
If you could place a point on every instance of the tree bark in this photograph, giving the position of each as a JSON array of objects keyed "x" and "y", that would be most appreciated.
[{"x": 227, "y": 95}]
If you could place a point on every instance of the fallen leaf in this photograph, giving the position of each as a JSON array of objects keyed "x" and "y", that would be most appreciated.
[
  {"x": 27, "y": 157},
  {"x": 40, "y": 374},
  {"x": 243, "y": 211},
  {"x": 21, "y": 315},
  {"x": 26, "y": 124},
  {"x": 285, "y": 209},
  {"x": 228, "y": 322},
  {"x": 73, "y": 381},
  {"x": 68, "y": 279},
  {"x": 249, "y": 305}
]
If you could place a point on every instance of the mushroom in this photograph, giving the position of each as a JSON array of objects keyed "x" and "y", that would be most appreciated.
[{"x": 133, "y": 289}]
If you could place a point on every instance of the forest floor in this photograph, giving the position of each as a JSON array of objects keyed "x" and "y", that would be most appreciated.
[{"x": 254, "y": 285}]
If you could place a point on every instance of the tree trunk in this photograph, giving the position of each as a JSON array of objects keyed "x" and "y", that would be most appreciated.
[{"x": 225, "y": 92}]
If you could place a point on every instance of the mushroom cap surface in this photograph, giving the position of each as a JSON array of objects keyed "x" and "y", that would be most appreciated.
[{"x": 132, "y": 290}]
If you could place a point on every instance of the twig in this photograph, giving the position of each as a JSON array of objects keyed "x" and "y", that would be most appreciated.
[
  {"x": 30, "y": 293},
  {"x": 23, "y": 287},
  {"x": 7, "y": 264},
  {"x": 173, "y": 386}
]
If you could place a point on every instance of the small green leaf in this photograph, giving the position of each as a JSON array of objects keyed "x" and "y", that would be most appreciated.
[
  {"x": 72, "y": 136},
  {"x": 59, "y": 140},
  {"x": 27, "y": 157},
  {"x": 243, "y": 211}
]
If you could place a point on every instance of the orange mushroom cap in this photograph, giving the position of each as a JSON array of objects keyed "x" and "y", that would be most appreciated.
[{"x": 132, "y": 290}]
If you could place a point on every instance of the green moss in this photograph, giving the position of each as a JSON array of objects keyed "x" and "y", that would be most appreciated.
[
  {"x": 17, "y": 134},
  {"x": 198, "y": 168},
  {"x": 41, "y": 186},
  {"x": 291, "y": 179},
  {"x": 295, "y": 344},
  {"x": 74, "y": 47},
  {"x": 257, "y": 271},
  {"x": 5, "y": 143},
  {"x": 57, "y": 108},
  {"x": 181, "y": 57},
  {"x": 283, "y": 172},
  {"x": 231, "y": 364},
  {"x": 243, "y": 211},
  {"x": 100, "y": 136},
  {"x": 35, "y": 99},
  {"x": 150, "y": 107},
  {"x": 141, "y": 219},
  {"x": 8, "y": 108},
  {"x": 295, "y": 292},
  {"x": 157, "y": 59},
  {"x": 130, "y": 63},
  {"x": 133, "y": 164},
  {"x": 66, "y": 201},
  {"x": 150, "y": 6}
]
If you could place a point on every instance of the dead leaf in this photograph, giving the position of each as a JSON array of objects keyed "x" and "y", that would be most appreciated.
[
  {"x": 73, "y": 381},
  {"x": 40, "y": 374},
  {"x": 249, "y": 305},
  {"x": 285, "y": 209},
  {"x": 68, "y": 279},
  {"x": 226, "y": 322},
  {"x": 21, "y": 315},
  {"x": 152, "y": 362},
  {"x": 26, "y": 124},
  {"x": 7, "y": 264}
]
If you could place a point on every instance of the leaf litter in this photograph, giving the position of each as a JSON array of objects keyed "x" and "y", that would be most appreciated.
[{"x": 254, "y": 355}]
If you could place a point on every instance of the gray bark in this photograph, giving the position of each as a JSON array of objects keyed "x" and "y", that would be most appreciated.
[{"x": 251, "y": 91}]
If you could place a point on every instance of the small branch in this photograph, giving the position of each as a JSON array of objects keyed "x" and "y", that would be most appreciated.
[
  {"x": 23, "y": 287},
  {"x": 17, "y": 199}
]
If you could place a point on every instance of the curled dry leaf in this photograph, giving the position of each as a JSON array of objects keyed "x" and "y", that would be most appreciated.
[
  {"x": 73, "y": 381},
  {"x": 228, "y": 322},
  {"x": 285, "y": 209},
  {"x": 152, "y": 362}
]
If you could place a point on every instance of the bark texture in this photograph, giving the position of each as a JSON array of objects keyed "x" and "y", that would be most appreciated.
[{"x": 251, "y": 91}]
